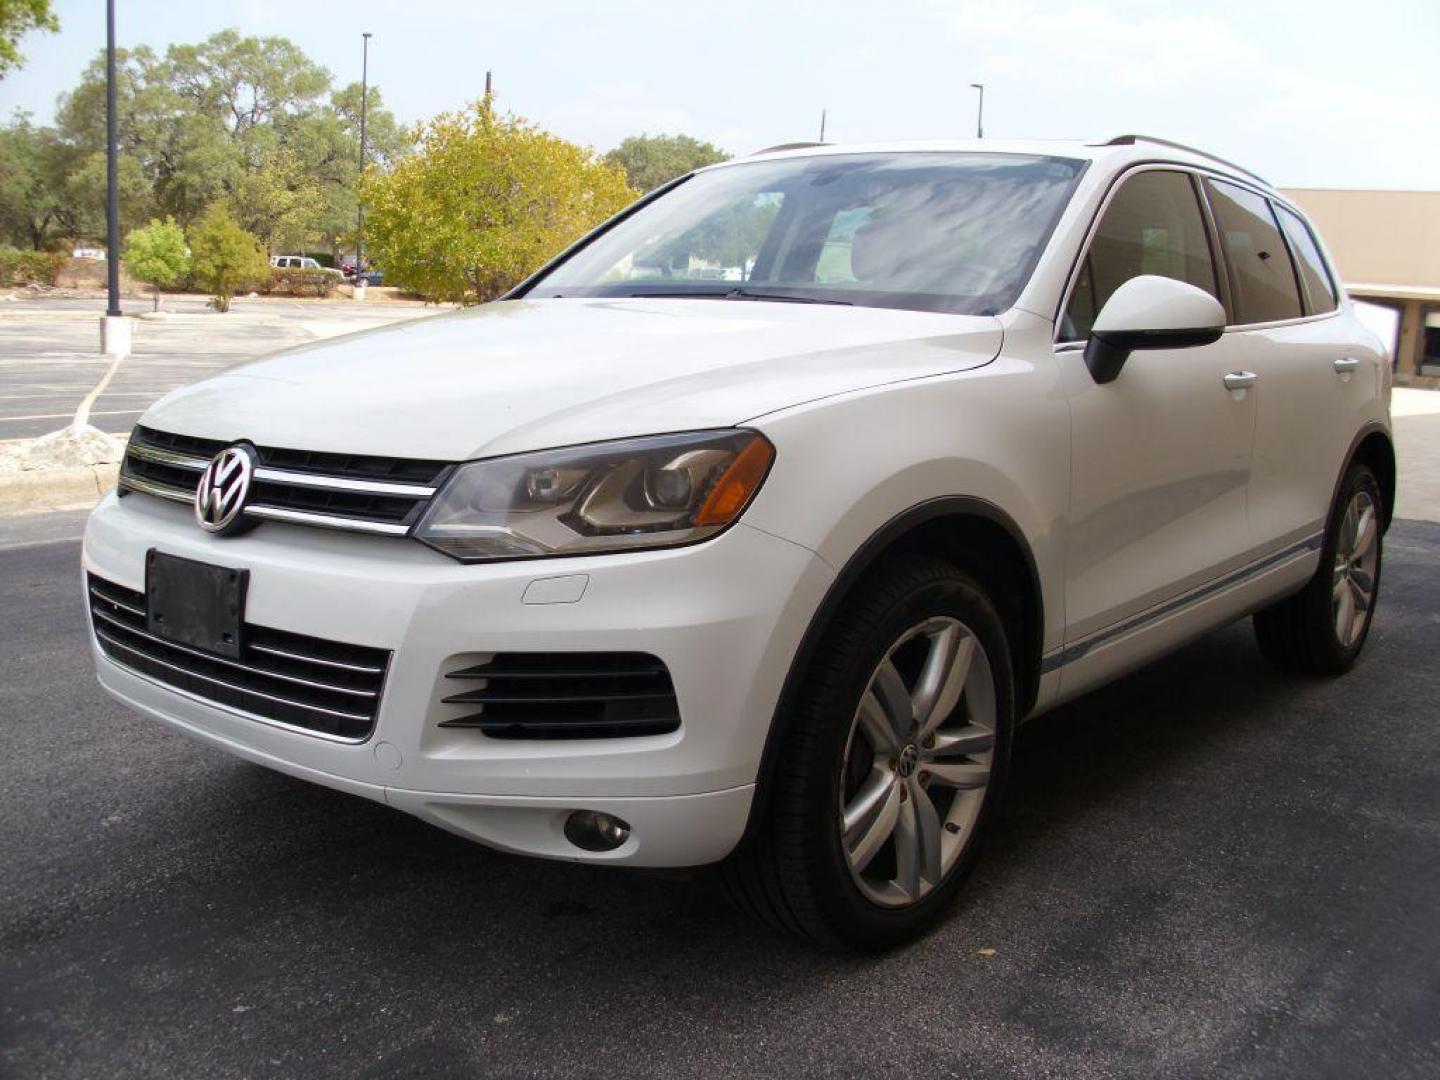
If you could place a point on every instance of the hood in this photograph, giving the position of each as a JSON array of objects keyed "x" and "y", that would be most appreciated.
[{"x": 525, "y": 375}]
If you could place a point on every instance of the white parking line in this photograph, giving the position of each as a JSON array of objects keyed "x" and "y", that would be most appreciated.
[{"x": 68, "y": 415}]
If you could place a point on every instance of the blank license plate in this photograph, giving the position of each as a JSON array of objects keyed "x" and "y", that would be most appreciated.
[{"x": 195, "y": 604}]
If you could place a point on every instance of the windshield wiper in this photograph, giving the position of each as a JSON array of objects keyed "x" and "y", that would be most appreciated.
[{"x": 738, "y": 294}]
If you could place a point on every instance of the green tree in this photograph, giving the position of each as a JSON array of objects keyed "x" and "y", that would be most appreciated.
[
  {"x": 156, "y": 255},
  {"x": 483, "y": 201},
  {"x": 652, "y": 160},
  {"x": 17, "y": 18},
  {"x": 224, "y": 256},
  {"x": 34, "y": 166}
]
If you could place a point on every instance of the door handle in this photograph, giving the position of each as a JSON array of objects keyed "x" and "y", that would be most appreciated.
[
  {"x": 1240, "y": 380},
  {"x": 1346, "y": 365}
]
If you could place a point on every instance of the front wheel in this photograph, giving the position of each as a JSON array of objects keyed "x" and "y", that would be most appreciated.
[
  {"x": 1323, "y": 627},
  {"x": 890, "y": 767}
]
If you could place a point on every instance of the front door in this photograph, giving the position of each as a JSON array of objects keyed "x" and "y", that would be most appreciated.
[{"x": 1161, "y": 457}]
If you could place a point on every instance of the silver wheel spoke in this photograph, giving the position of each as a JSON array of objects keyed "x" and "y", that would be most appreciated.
[
  {"x": 959, "y": 774},
  {"x": 873, "y": 836},
  {"x": 1365, "y": 533},
  {"x": 876, "y": 725},
  {"x": 959, "y": 742},
  {"x": 1344, "y": 613},
  {"x": 1358, "y": 597},
  {"x": 917, "y": 845},
  {"x": 942, "y": 680},
  {"x": 863, "y": 809},
  {"x": 894, "y": 698}
]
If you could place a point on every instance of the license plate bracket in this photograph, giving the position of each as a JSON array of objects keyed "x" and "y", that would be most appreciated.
[{"x": 195, "y": 604}]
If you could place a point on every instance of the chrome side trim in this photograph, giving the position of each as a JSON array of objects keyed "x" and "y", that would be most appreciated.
[
  {"x": 294, "y": 729},
  {"x": 117, "y": 603},
  {"x": 166, "y": 457},
  {"x": 227, "y": 662},
  {"x": 342, "y": 483},
  {"x": 103, "y": 636},
  {"x": 1074, "y": 651},
  {"x": 325, "y": 521},
  {"x": 160, "y": 491}
]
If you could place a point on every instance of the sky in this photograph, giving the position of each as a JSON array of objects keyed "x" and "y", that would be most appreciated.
[{"x": 1310, "y": 94}]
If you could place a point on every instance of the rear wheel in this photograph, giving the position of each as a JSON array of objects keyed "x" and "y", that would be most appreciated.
[
  {"x": 1323, "y": 627},
  {"x": 890, "y": 766}
]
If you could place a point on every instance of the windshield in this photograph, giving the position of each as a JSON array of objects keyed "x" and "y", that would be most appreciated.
[{"x": 930, "y": 231}]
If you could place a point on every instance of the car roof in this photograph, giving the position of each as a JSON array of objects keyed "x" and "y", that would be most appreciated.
[{"x": 1115, "y": 152}]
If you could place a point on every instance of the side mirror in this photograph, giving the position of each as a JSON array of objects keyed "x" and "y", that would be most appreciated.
[{"x": 1150, "y": 312}]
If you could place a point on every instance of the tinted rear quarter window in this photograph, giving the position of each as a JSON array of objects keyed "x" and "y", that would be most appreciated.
[
  {"x": 1264, "y": 278},
  {"x": 1319, "y": 289}
]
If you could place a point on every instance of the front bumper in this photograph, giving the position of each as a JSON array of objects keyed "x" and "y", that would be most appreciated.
[{"x": 725, "y": 616}]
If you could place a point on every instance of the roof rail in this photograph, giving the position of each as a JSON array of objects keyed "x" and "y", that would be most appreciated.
[
  {"x": 787, "y": 146},
  {"x": 1131, "y": 140}
]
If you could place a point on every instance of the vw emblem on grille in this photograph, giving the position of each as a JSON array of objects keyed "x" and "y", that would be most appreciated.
[{"x": 223, "y": 489}]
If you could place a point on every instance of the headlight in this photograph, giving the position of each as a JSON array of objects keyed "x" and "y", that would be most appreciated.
[{"x": 612, "y": 496}]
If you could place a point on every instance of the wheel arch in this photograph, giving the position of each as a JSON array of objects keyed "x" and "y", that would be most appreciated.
[
  {"x": 968, "y": 532},
  {"x": 1374, "y": 447}
]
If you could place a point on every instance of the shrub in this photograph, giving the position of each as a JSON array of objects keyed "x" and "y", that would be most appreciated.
[
  {"x": 30, "y": 267},
  {"x": 156, "y": 255},
  {"x": 289, "y": 281},
  {"x": 226, "y": 258}
]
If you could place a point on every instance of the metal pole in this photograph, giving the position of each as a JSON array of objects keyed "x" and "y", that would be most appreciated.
[
  {"x": 822, "y": 125},
  {"x": 980, "y": 112},
  {"x": 112, "y": 182},
  {"x": 359, "y": 207}
]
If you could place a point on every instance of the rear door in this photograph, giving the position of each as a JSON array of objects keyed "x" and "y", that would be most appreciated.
[
  {"x": 1287, "y": 322},
  {"x": 1161, "y": 456}
]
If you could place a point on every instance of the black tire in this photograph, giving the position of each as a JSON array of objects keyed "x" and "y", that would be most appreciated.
[
  {"x": 791, "y": 872},
  {"x": 1299, "y": 633}
]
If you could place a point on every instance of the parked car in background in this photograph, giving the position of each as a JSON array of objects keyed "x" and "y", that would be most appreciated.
[
  {"x": 748, "y": 530},
  {"x": 88, "y": 253},
  {"x": 300, "y": 262}
]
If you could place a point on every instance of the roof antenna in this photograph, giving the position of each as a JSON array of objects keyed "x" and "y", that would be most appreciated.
[{"x": 822, "y": 125}]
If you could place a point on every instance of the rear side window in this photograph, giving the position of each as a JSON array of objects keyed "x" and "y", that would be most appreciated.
[
  {"x": 1265, "y": 287},
  {"x": 1319, "y": 289},
  {"x": 1152, "y": 226}
]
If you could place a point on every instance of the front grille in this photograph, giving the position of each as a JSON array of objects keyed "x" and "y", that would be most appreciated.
[
  {"x": 323, "y": 687},
  {"x": 566, "y": 696},
  {"x": 356, "y": 492}
]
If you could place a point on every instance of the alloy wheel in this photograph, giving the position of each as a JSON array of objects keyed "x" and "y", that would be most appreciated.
[
  {"x": 1357, "y": 557},
  {"x": 917, "y": 762}
]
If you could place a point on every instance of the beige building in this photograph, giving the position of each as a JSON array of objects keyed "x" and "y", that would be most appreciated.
[{"x": 1387, "y": 245}]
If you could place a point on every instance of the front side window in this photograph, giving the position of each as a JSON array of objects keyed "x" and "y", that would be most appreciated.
[
  {"x": 1319, "y": 289},
  {"x": 1264, "y": 278},
  {"x": 1152, "y": 226},
  {"x": 926, "y": 231}
]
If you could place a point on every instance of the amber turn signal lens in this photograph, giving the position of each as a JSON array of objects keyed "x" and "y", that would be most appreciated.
[{"x": 737, "y": 484}]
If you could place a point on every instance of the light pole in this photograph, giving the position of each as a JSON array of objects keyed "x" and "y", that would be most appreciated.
[
  {"x": 114, "y": 330},
  {"x": 359, "y": 206},
  {"x": 979, "y": 112}
]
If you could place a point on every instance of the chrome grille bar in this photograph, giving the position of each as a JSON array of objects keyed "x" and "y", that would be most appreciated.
[{"x": 167, "y": 467}]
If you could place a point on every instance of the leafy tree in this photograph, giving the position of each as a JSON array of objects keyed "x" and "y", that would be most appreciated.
[
  {"x": 485, "y": 200},
  {"x": 34, "y": 211},
  {"x": 17, "y": 18},
  {"x": 156, "y": 255},
  {"x": 224, "y": 256},
  {"x": 652, "y": 160}
]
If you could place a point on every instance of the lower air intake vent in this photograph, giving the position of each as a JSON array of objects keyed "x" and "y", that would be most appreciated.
[{"x": 566, "y": 696}]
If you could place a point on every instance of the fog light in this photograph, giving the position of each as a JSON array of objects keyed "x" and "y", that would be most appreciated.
[{"x": 592, "y": 830}]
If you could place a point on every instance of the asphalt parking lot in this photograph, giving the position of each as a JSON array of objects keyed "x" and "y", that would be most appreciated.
[
  {"x": 1208, "y": 869},
  {"x": 50, "y": 351}
]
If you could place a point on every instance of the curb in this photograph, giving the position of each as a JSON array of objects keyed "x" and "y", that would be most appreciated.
[{"x": 35, "y": 490}]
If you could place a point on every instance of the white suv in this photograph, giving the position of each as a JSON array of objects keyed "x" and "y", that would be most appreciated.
[{"x": 747, "y": 530}]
